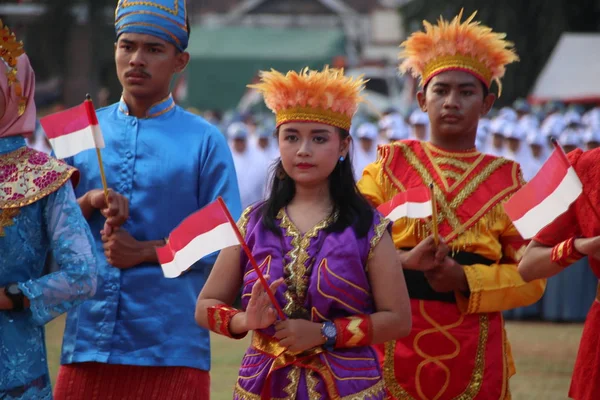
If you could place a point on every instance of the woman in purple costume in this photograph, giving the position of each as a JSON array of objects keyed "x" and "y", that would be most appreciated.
[{"x": 328, "y": 255}]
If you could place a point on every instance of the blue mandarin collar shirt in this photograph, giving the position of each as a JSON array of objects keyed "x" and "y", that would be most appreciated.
[{"x": 169, "y": 165}]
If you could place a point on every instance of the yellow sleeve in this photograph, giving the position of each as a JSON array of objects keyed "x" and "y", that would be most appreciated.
[
  {"x": 499, "y": 287},
  {"x": 371, "y": 185}
]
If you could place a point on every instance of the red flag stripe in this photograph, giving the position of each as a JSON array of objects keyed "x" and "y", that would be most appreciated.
[
  {"x": 415, "y": 195},
  {"x": 202, "y": 221},
  {"x": 68, "y": 121},
  {"x": 543, "y": 184}
]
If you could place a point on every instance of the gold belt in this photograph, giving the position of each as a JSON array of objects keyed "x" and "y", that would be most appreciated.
[{"x": 305, "y": 359}]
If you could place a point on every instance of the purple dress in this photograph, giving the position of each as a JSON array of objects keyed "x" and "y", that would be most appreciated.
[{"x": 325, "y": 278}]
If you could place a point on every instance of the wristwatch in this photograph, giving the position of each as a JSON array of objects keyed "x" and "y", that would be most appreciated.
[
  {"x": 15, "y": 295},
  {"x": 329, "y": 333}
]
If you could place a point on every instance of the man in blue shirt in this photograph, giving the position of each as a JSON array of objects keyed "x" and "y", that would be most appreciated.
[{"x": 137, "y": 338}]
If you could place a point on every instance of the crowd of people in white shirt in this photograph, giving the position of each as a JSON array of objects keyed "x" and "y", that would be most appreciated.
[{"x": 516, "y": 133}]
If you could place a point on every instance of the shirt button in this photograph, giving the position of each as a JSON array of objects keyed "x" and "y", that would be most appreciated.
[
  {"x": 113, "y": 287},
  {"x": 133, "y": 122},
  {"x": 128, "y": 155}
]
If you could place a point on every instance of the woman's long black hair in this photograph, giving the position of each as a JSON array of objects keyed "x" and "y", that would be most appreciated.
[{"x": 351, "y": 207}]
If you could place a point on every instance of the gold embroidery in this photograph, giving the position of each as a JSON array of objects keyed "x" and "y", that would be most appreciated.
[
  {"x": 437, "y": 360},
  {"x": 374, "y": 392},
  {"x": 380, "y": 229},
  {"x": 296, "y": 270},
  {"x": 294, "y": 377},
  {"x": 127, "y": 3},
  {"x": 448, "y": 210},
  {"x": 6, "y": 218},
  {"x": 24, "y": 173},
  {"x": 311, "y": 385},
  {"x": 440, "y": 173},
  {"x": 463, "y": 165},
  {"x": 243, "y": 221},
  {"x": 449, "y": 174},
  {"x": 243, "y": 394},
  {"x": 460, "y": 154},
  {"x": 474, "y": 385}
]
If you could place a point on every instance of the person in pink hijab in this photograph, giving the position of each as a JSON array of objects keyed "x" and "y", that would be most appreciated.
[{"x": 38, "y": 214}]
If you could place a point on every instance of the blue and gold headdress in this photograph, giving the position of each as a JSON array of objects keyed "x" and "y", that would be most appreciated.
[{"x": 165, "y": 19}]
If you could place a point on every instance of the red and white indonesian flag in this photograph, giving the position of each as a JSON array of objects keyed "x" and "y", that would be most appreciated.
[
  {"x": 545, "y": 197},
  {"x": 73, "y": 130},
  {"x": 202, "y": 233},
  {"x": 413, "y": 203}
]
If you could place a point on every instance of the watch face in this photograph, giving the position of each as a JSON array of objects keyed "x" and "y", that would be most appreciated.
[
  {"x": 13, "y": 290},
  {"x": 329, "y": 331}
]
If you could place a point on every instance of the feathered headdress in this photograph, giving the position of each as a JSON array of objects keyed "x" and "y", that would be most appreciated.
[
  {"x": 455, "y": 45},
  {"x": 326, "y": 96},
  {"x": 10, "y": 50}
]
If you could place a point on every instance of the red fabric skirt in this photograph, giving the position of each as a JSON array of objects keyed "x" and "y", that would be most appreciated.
[
  {"x": 448, "y": 355},
  {"x": 96, "y": 381},
  {"x": 585, "y": 384}
]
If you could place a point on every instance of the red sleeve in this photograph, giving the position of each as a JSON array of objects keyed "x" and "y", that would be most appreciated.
[{"x": 565, "y": 225}]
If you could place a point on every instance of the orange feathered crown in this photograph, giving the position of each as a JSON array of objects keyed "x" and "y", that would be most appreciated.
[
  {"x": 455, "y": 45},
  {"x": 325, "y": 96},
  {"x": 10, "y": 50}
]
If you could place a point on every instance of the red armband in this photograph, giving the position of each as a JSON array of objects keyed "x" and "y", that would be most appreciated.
[
  {"x": 354, "y": 331},
  {"x": 219, "y": 318},
  {"x": 565, "y": 253}
]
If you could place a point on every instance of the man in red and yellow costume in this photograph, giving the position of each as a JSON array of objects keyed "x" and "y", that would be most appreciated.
[{"x": 459, "y": 285}]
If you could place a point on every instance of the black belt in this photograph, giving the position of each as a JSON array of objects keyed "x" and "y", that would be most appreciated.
[{"x": 419, "y": 288}]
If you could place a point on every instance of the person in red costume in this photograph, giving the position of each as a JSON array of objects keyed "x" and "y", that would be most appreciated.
[{"x": 572, "y": 236}]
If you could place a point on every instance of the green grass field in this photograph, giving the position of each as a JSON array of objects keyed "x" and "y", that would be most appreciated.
[{"x": 544, "y": 354}]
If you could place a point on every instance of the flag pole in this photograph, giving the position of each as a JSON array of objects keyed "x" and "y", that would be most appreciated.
[
  {"x": 261, "y": 277},
  {"x": 434, "y": 215},
  {"x": 562, "y": 153},
  {"x": 89, "y": 107}
]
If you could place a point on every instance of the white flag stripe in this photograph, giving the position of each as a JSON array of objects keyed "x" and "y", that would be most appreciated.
[
  {"x": 411, "y": 210},
  {"x": 73, "y": 143},
  {"x": 216, "y": 239},
  {"x": 551, "y": 207}
]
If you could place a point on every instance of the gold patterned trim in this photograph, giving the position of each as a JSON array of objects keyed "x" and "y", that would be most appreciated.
[
  {"x": 475, "y": 383},
  {"x": 296, "y": 270},
  {"x": 452, "y": 154},
  {"x": 452, "y": 161},
  {"x": 374, "y": 392},
  {"x": 294, "y": 377},
  {"x": 25, "y": 170},
  {"x": 242, "y": 394},
  {"x": 380, "y": 230},
  {"x": 174, "y": 10},
  {"x": 457, "y": 61},
  {"x": 311, "y": 384},
  {"x": 440, "y": 173},
  {"x": 448, "y": 210},
  {"x": 7, "y": 218},
  {"x": 449, "y": 174},
  {"x": 309, "y": 114},
  {"x": 242, "y": 223}
]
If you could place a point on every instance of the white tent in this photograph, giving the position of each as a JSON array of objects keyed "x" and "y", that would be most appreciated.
[{"x": 572, "y": 73}]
